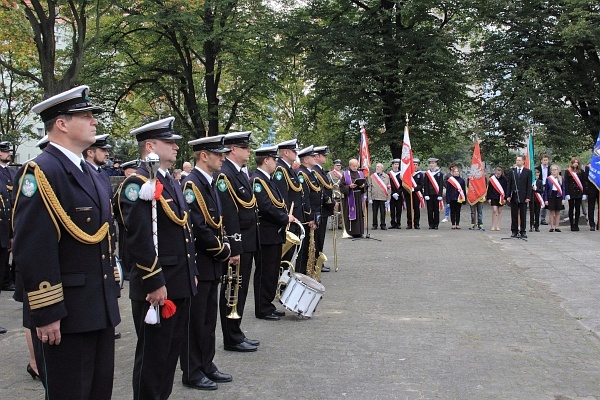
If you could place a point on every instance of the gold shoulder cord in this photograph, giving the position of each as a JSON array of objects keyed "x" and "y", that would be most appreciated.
[
  {"x": 310, "y": 184},
  {"x": 289, "y": 181},
  {"x": 55, "y": 209},
  {"x": 326, "y": 185},
  {"x": 276, "y": 203},
  {"x": 200, "y": 199},
  {"x": 245, "y": 204},
  {"x": 165, "y": 206}
]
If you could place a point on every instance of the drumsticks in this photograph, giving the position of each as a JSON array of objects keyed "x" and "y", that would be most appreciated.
[{"x": 290, "y": 213}]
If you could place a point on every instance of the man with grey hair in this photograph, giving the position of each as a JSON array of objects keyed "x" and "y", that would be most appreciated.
[{"x": 379, "y": 194}]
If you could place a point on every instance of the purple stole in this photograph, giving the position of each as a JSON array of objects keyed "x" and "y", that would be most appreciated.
[{"x": 351, "y": 202}]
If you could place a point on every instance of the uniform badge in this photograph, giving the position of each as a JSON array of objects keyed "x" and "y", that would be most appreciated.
[
  {"x": 301, "y": 178},
  {"x": 221, "y": 185},
  {"x": 30, "y": 185},
  {"x": 132, "y": 192},
  {"x": 257, "y": 187},
  {"x": 278, "y": 175},
  {"x": 189, "y": 196}
]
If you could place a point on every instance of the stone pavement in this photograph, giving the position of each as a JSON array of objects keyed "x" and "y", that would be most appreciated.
[{"x": 420, "y": 315}]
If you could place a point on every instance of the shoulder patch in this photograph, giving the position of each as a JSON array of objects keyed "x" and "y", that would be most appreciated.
[
  {"x": 221, "y": 185},
  {"x": 301, "y": 178},
  {"x": 257, "y": 187},
  {"x": 132, "y": 192},
  {"x": 189, "y": 196},
  {"x": 278, "y": 175},
  {"x": 30, "y": 185}
]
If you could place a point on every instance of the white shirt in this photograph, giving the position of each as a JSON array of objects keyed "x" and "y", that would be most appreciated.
[
  {"x": 209, "y": 177},
  {"x": 76, "y": 159}
]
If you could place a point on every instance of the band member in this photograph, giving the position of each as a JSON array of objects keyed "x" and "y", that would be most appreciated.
[
  {"x": 328, "y": 206},
  {"x": 72, "y": 293},
  {"x": 379, "y": 194},
  {"x": 592, "y": 195},
  {"x": 291, "y": 188},
  {"x": 240, "y": 218},
  {"x": 7, "y": 179},
  {"x": 162, "y": 253},
  {"x": 274, "y": 218},
  {"x": 353, "y": 186},
  {"x": 96, "y": 156},
  {"x": 432, "y": 190},
  {"x": 519, "y": 194},
  {"x": 212, "y": 249},
  {"x": 413, "y": 199},
  {"x": 574, "y": 191},
  {"x": 396, "y": 195}
]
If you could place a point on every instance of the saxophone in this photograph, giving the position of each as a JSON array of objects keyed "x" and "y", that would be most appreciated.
[
  {"x": 311, "y": 269},
  {"x": 322, "y": 259}
]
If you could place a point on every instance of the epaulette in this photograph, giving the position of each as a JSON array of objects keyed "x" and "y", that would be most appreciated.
[
  {"x": 284, "y": 174},
  {"x": 312, "y": 186},
  {"x": 260, "y": 185},
  {"x": 224, "y": 184}
]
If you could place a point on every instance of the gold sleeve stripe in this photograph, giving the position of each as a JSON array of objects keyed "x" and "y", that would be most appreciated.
[
  {"x": 326, "y": 185},
  {"x": 146, "y": 268},
  {"x": 245, "y": 204},
  {"x": 312, "y": 187},
  {"x": 152, "y": 274},
  {"x": 276, "y": 203},
  {"x": 289, "y": 180},
  {"x": 45, "y": 296},
  {"x": 202, "y": 204}
]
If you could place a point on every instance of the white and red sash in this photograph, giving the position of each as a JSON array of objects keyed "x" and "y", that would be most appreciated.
[
  {"x": 394, "y": 180},
  {"x": 380, "y": 183},
  {"x": 337, "y": 173},
  {"x": 498, "y": 187},
  {"x": 435, "y": 185},
  {"x": 461, "y": 194},
  {"x": 556, "y": 185},
  {"x": 576, "y": 179},
  {"x": 539, "y": 199}
]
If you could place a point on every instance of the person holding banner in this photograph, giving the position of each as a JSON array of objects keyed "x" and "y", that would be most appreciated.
[
  {"x": 554, "y": 197},
  {"x": 396, "y": 195},
  {"x": 379, "y": 194},
  {"x": 496, "y": 195},
  {"x": 455, "y": 195},
  {"x": 574, "y": 191},
  {"x": 353, "y": 186},
  {"x": 432, "y": 190},
  {"x": 537, "y": 202},
  {"x": 591, "y": 190}
]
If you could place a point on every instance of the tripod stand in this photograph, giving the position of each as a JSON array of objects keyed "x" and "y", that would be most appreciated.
[{"x": 366, "y": 219}]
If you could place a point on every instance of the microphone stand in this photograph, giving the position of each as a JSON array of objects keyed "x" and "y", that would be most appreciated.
[{"x": 365, "y": 208}]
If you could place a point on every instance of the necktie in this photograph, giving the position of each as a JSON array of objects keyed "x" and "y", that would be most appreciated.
[{"x": 519, "y": 172}]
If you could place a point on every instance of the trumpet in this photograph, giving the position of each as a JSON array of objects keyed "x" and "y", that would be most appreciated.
[
  {"x": 233, "y": 282},
  {"x": 287, "y": 267}
]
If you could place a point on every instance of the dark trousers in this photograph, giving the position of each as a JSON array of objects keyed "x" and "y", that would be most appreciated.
[
  {"x": 534, "y": 213},
  {"x": 198, "y": 351},
  {"x": 81, "y": 367},
  {"x": 433, "y": 212},
  {"x": 378, "y": 208},
  {"x": 4, "y": 267},
  {"x": 232, "y": 332},
  {"x": 396, "y": 212},
  {"x": 303, "y": 255},
  {"x": 266, "y": 274},
  {"x": 157, "y": 350},
  {"x": 518, "y": 210},
  {"x": 320, "y": 234},
  {"x": 574, "y": 210},
  {"x": 592, "y": 199},
  {"x": 455, "y": 207},
  {"x": 413, "y": 211}
]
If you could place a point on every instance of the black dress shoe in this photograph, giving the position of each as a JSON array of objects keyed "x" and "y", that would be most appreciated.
[
  {"x": 117, "y": 335},
  {"x": 524, "y": 235},
  {"x": 241, "y": 347},
  {"x": 514, "y": 235},
  {"x": 537, "y": 229},
  {"x": 325, "y": 269},
  {"x": 219, "y": 377},
  {"x": 384, "y": 228},
  {"x": 374, "y": 228},
  {"x": 576, "y": 228},
  {"x": 592, "y": 228},
  {"x": 8, "y": 287},
  {"x": 253, "y": 342},
  {"x": 544, "y": 223},
  {"x": 417, "y": 227},
  {"x": 2, "y": 330},
  {"x": 269, "y": 317},
  {"x": 201, "y": 384},
  {"x": 409, "y": 227},
  {"x": 279, "y": 313},
  {"x": 30, "y": 371}
]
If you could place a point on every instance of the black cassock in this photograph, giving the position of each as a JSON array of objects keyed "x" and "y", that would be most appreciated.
[{"x": 356, "y": 226}]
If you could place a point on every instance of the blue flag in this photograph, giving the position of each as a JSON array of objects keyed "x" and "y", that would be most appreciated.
[{"x": 594, "y": 176}]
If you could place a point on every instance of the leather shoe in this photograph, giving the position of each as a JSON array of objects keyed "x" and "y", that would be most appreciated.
[
  {"x": 537, "y": 229},
  {"x": 117, "y": 335},
  {"x": 544, "y": 223},
  {"x": 201, "y": 384},
  {"x": 384, "y": 228},
  {"x": 269, "y": 317},
  {"x": 219, "y": 377},
  {"x": 241, "y": 347},
  {"x": 279, "y": 313},
  {"x": 592, "y": 228},
  {"x": 325, "y": 269},
  {"x": 2, "y": 330},
  {"x": 514, "y": 235},
  {"x": 8, "y": 287},
  {"x": 524, "y": 235},
  {"x": 252, "y": 342}
]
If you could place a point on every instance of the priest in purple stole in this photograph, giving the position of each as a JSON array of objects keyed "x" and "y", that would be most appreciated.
[{"x": 353, "y": 200}]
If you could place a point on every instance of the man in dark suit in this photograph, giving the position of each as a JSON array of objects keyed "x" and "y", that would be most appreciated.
[
  {"x": 519, "y": 194},
  {"x": 274, "y": 218},
  {"x": 212, "y": 250},
  {"x": 164, "y": 261},
  {"x": 63, "y": 255},
  {"x": 328, "y": 204},
  {"x": 7, "y": 179},
  {"x": 240, "y": 218}
]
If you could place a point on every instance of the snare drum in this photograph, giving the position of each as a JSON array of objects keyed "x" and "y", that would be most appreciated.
[{"x": 302, "y": 295}]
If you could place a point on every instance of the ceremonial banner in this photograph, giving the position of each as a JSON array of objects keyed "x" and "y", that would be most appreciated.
[
  {"x": 477, "y": 187},
  {"x": 365, "y": 157},
  {"x": 407, "y": 168},
  {"x": 529, "y": 157},
  {"x": 594, "y": 176}
]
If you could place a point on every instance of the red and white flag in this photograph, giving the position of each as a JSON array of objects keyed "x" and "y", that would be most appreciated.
[
  {"x": 365, "y": 157},
  {"x": 407, "y": 168},
  {"x": 477, "y": 187}
]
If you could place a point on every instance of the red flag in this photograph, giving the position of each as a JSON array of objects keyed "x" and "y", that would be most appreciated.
[
  {"x": 365, "y": 157},
  {"x": 477, "y": 187},
  {"x": 407, "y": 168}
]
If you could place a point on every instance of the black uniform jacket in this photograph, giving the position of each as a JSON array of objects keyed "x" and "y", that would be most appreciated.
[
  {"x": 519, "y": 187},
  {"x": 206, "y": 219},
  {"x": 62, "y": 245},
  {"x": 571, "y": 186},
  {"x": 6, "y": 232},
  {"x": 327, "y": 190},
  {"x": 272, "y": 210},
  {"x": 311, "y": 186},
  {"x": 174, "y": 266},
  {"x": 239, "y": 209},
  {"x": 290, "y": 187},
  {"x": 429, "y": 188}
]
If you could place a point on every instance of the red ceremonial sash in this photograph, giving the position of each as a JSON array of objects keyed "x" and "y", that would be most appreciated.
[
  {"x": 555, "y": 184},
  {"x": 380, "y": 183},
  {"x": 394, "y": 179},
  {"x": 539, "y": 199},
  {"x": 433, "y": 181},
  {"x": 576, "y": 179},
  {"x": 498, "y": 187},
  {"x": 337, "y": 173},
  {"x": 456, "y": 184}
]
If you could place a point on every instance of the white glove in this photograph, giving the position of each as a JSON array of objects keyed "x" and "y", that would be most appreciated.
[
  {"x": 584, "y": 197},
  {"x": 370, "y": 201},
  {"x": 567, "y": 197},
  {"x": 395, "y": 196},
  {"x": 426, "y": 197},
  {"x": 439, "y": 198}
]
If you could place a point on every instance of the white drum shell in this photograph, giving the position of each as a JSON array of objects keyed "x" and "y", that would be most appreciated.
[{"x": 302, "y": 295}]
